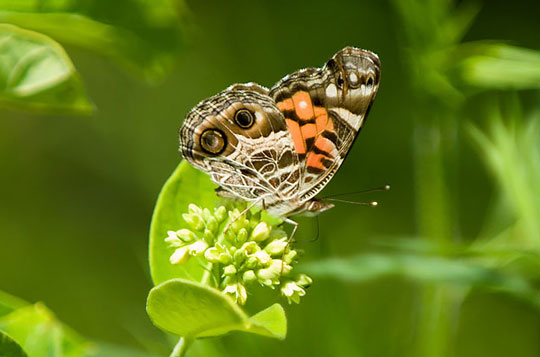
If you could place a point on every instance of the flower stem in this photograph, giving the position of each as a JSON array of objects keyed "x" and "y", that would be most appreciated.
[{"x": 182, "y": 346}]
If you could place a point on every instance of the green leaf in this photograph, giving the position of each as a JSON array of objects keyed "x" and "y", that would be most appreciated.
[
  {"x": 36, "y": 74},
  {"x": 498, "y": 66},
  {"x": 36, "y": 329},
  {"x": 270, "y": 322},
  {"x": 10, "y": 348},
  {"x": 186, "y": 185},
  {"x": 141, "y": 36},
  {"x": 189, "y": 309},
  {"x": 9, "y": 303},
  {"x": 186, "y": 308}
]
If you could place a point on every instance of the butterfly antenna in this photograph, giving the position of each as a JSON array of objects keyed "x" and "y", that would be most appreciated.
[
  {"x": 372, "y": 204},
  {"x": 375, "y": 189}
]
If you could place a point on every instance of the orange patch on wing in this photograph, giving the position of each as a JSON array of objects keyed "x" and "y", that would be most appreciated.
[
  {"x": 303, "y": 105},
  {"x": 286, "y": 104},
  {"x": 325, "y": 145},
  {"x": 309, "y": 131},
  {"x": 315, "y": 160},
  {"x": 294, "y": 129},
  {"x": 321, "y": 118}
]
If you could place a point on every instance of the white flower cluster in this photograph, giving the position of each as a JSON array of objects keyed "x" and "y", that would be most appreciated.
[{"x": 251, "y": 250}]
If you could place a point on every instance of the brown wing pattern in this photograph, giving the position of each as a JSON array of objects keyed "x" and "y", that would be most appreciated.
[
  {"x": 240, "y": 138},
  {"x": 324, "y": 110},
  {"x": 283, "y": 145}
]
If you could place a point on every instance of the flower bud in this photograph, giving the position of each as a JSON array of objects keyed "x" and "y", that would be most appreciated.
[
  {"x": 194, "y": 221},
  {"x": 230, "y": 236},
  {"x": 252, "y": 263},
  {"x": 262, "y": 257},
  {"x": 280, "y": 266},
  {"x": 303, "y": 280},
  {"x": 273, "y": 272},
  {"x": 206, "y": 214},
  {"x": 213, "y": 255},
  {"x": 220, "y": 213},
  {"x": 229, "y": 270},
  {"x": 209, "y": 236},
  {"x": 250, "y": 248},
  {"x": 289, "y": 256},
  {"x": 260, "y": 232},
  {"x": 241, "y": 296},
  {"x": 186, "y": 235},
  {"x": 292, "y": 291},
  {"x": 239, "y": 257},
  {"x": 242, "y": 236},
  {"x": 197, "y": 248},
  {"x": 172, "y": 240},
  {"x": 212, "y": 224},
  {"x": 194, "y": 209},
  {"x": 238, "y": 292},
  {"x": 249, "y": 276},
  {"x": 180, "y": 256},
  {"x": 276, "y": 247}
]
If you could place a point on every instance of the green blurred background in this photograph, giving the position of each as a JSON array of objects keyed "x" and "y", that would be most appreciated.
[{"x": 77, "y": 191}]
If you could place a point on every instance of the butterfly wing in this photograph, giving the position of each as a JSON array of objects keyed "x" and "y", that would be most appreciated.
[
  {"x": 324, "y": 109},
  {"x": 241, "y": 139}
]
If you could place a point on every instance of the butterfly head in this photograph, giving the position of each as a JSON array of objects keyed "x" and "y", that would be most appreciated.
[{"x": 313, "y": 207}]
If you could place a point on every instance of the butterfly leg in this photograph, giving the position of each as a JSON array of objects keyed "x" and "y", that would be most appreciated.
[
  {"x": 243, "y": 213},
  {"x": 295, "y": 227}
]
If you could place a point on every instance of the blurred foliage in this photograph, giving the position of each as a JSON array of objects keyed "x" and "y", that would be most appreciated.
[
  {"x": 9, "y": 347},
  {"x": 142, "y": 36},
  {"x": 33, "y": 330},
  {"x": 37, "y": 74},
  {"x": 448, "y": 131}
]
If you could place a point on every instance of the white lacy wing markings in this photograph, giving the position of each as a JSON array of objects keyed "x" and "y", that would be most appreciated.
[
  {"x": 352, "y": 119},
  {"x": 237, "y": 173}
]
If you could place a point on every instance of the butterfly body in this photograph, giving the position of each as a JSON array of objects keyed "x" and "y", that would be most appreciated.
[{"x": 279, "y": 147}]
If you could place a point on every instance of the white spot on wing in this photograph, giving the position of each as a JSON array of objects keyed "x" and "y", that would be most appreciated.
[
  {"x": 303, "y": 104},
  {"x": 331, "y": 90},
  {"x": 353, "y": 78}
]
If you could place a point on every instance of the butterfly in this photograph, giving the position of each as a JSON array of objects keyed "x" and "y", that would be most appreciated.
[{"x": 280, "y": 147}]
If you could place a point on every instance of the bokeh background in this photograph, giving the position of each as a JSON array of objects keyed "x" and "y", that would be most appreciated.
[{"x": 446, "y": 265}]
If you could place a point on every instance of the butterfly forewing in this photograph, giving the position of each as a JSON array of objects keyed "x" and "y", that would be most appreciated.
[{"x": 324, "y": 110}]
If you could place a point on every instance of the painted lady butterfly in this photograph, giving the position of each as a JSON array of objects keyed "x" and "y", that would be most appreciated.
[{"x": 278, "y": 148}]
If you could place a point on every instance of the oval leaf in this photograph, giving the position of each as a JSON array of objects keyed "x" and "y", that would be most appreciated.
[
  {"x": 189, "y": 309},
  {"x": 186, "y": 185},
  {"x": 36, "y": 74}
]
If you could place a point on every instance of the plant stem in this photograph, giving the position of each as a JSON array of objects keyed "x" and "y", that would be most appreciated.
[{"x": 182, "y": 346}]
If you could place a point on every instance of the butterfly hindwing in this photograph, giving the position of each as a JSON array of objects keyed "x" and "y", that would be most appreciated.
[{"x": 248, "y": 159}]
